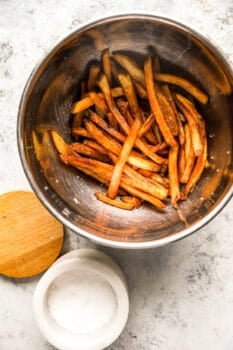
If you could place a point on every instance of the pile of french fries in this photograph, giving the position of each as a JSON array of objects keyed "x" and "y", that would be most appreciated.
[{"x": 136, "y": 131}]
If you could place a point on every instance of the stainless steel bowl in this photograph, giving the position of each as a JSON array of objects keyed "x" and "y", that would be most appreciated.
[{"x": 46, "y": 102}]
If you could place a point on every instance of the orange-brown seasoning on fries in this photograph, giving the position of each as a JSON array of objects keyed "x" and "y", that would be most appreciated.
[{"x": 135, "y": 134}]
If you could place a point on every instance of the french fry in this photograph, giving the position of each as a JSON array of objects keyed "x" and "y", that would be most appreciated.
[
  {"x": 140, "y": 89},
  {"x": 93, "y": 75},
  {"x": 93, "y": 144},
  {"x": 84, "y": 149},
  {"x": 114, "y": 147},
  {"x": 86, "y": 102},
  {"x": 137, "y": 180},
  {"x": 181, "y": 161},
  {"x": 103, "y": 171},
  {"x": 77, "y": 132},
  {"x": 168, "y": 113},
  {"x": 183, "y": 83},
  {"x": 105, "y": 88},
  {"x": 146, "y": 125},
  {"x": 200, "y": 163},
  {"x": 134, "y": 200},
  {"x": 128, "y": 88},
  {"x": 99, "y": 101},
  {"x": 173, "y": 175},
  {"x": 155, "y": 106},
  {"x": 193, "y": 125},
  {"x": 115, "y": 203},
  {"x": 189, "y": 156},
  {"x": 123, "y": 108},
  {"x": 61, "y": 146},
  {"x": 107, "y": 65},
  {"x": 123, "y": 157},
  {"x": 131, "y": 67}
]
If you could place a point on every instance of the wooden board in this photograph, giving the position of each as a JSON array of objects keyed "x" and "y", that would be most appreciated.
[{"x": 30, "y": 237}]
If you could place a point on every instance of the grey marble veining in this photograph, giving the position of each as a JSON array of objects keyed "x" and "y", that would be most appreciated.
[{"x": 181, "y": 295}]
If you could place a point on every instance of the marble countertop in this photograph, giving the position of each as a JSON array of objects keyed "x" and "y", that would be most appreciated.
[{"x": 181, "y": 295}]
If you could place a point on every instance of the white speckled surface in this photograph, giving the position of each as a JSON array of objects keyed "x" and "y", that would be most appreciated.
[{"x": 181, "y": 296}]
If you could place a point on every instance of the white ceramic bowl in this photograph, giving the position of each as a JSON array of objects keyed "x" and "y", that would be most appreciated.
[{"x": 82, "y": 301}]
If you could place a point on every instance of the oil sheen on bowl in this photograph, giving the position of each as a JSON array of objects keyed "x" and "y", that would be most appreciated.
[
  {"x": 82, "y": 302},
  {"x": 46, "y": 104}
]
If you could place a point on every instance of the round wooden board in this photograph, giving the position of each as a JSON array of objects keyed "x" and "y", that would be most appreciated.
[{"x": 30, "y": 237}]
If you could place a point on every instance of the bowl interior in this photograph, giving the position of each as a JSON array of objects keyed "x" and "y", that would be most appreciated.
[{"x": 55, "y": 85}]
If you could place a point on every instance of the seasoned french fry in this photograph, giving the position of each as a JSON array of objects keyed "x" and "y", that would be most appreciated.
[
  {"x": 114, "y": 147},
  {"x": 76, "y": 132},
  {"x": 99, "y": 101},
  {"x": 155, "y": 106},
  {"x": 123, "y": 108},
  {"x": 140, "y": 89},
  {"x": 128, "y": 88},
  {"x": 200, "y": 163},
  {"x": 87, "y": 102},
  {"x": 107, "y": 65},
  {"x": 93, "y": 75},
  {"x": 168, "y": 113},
  {"x": 61, "y": 146},
  {"x": 193, "y": 125},
  {"x": 93, "y": 144},
  {"x": 183, "y": 83},
  {"x": 146, "y": 125},
  {"x": 189, "y": 156},
  {"x": 104, "y": 173},
  {"x": 181, "y": 161},
  {"x": 134, "y": 200},
  {"x": 131, "y": 67},
  {"x": 123, "y": 157},
  {"x": 173, "y": 175},
  {"x": 115, "y": 203},
  {"x": 84, "y": 149}
]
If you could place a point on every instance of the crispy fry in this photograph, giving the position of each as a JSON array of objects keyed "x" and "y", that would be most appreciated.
[
  {"x": 131, "y": 67},
  {"x": 181, "y": 161},
  {"x": 77, "y": 120},
  {"x": 61, "y": 146},
  {"x": 114, "y": 147},
  {"x": 193, "y": 125},
  {"x": 123, "y": 157},
  {"x": 104, "y": 173},
  {"x": 93, "y": 75},
  {"x": 168, "y": 113},
  {"x": 200, "y": 163},
  {"x": 189, "y": 156},
  {"x": 76, "y": 132},
  {"x": 98, "y": 101},
  {"x": 173, "y": 175},
  {"x": 183, "y": 83},
  {"x": 128, "y": 88},
  {"x": 84, "y": 149},
  {"x": 134, "y": 200},
  {"x": 155, "y": 106},
  {"x": 107, "y": 65},
  {"x": 115, "y": 203},
  {"x": 146, "y": 125},
  {"x": 93, "y": 144},
  {"x": 140, "y": 89},
  {"x": 87, "y": 102}
]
